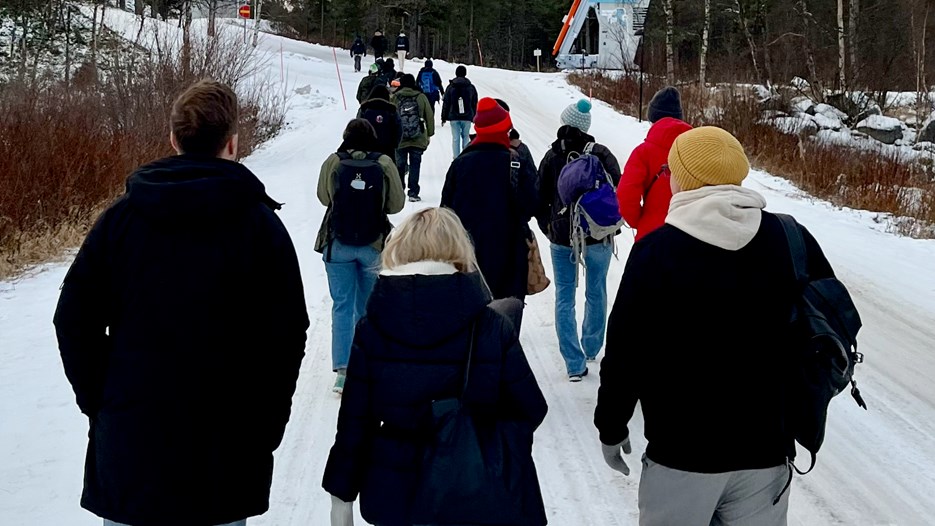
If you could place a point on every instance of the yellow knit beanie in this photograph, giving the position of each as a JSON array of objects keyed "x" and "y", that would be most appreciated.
[{"x": 707, "y": 156}]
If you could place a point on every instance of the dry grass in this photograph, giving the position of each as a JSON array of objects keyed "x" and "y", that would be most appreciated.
[
  {"x": 878, "y": 181},
  {"x": 65, "y": 151}
]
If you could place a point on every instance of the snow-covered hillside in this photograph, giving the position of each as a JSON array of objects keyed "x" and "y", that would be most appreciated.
[{"x": 877, "y": 467}]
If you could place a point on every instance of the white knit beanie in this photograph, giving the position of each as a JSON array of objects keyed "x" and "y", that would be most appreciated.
[{"x": 578, "y": 115}]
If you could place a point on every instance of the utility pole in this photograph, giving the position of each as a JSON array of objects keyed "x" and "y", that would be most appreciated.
[{"x": 256, "y": 21}]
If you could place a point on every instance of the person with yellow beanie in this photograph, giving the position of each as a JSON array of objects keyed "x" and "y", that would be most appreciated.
[{"x": 700, "y": 320}]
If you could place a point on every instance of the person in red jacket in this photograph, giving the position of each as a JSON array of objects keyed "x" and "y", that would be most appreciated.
[{"x": 643, "y": 200}]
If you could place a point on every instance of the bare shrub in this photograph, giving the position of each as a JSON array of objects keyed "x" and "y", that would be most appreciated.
[
  {"x": 65, "y": 150},
  {"x": 867, "y": 179}
]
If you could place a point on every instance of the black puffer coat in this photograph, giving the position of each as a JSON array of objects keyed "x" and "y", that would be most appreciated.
[
  {"x": 181, "y": 326},
  {"x": 553, "y": 217},
  {"x": 409, "y": 350},
  {"x": 494, "y": 212}
]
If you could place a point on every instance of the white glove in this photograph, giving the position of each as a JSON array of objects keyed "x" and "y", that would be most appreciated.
[
  {"x": 614, "y": 459},
  {"x": 342, "y": 513}
]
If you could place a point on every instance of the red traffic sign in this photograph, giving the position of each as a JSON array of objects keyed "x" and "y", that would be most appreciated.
[{"x": 244, "y": 11}]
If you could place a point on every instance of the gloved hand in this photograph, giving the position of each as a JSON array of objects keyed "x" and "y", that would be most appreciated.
[
  {"x": 614, "y": 459},
  {"x": 342, "y": 513}
]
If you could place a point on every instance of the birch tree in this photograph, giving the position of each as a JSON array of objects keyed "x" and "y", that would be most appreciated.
[
  {"x": 704, "y": 43},
  {"x": 670, "y": 52}
]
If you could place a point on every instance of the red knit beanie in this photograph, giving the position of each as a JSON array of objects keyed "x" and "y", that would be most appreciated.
[{"x": 491, "y": 118}]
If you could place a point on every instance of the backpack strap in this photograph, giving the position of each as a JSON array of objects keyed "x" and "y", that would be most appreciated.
[
  {"x": 797, "y": 250},
  {"x": 515, "y": 166},
  {"x": 344, "y": 156},
  {"x": 587, "y": 148},
  {"x": 374, "y": 156}
]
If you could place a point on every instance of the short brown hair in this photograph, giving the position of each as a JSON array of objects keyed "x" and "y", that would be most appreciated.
[{"x": 204, "y": 118}]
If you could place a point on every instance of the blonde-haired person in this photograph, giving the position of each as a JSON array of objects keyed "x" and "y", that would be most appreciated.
[{"x": 429, "y": 307}]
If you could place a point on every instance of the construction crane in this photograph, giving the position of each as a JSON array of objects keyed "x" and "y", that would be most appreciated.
[{"x": 621, "y": 26}]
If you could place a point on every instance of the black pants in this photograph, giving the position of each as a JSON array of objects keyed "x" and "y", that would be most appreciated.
[
  {"x": 511, "y": 309},
  {"x": 356, "y": 62}
]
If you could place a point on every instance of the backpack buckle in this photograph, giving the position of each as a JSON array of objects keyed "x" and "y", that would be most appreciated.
[
  {"x": 858, "y": 357},
  {"x": 514, "y": 165}
]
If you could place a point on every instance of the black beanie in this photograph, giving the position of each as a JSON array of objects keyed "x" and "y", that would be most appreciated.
[
  {"x": 667, "y": 102},
  {"x": 407, "y": 81},
  {"x": 461, "y": 71}
]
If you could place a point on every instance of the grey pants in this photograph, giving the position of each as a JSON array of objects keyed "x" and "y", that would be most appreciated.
[
  {"x": 237, "y": 523},
  {"x": 737, "y": 498}
]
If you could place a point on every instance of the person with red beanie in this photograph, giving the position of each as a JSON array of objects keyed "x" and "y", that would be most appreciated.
[
  {"x": 494, "y": 194},
  {"x": 643, "y": 193}
]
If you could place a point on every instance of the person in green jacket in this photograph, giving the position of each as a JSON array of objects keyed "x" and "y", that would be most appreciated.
[
  {"x": 418, "y": 123},
  {"x": 361, "y": 187}
]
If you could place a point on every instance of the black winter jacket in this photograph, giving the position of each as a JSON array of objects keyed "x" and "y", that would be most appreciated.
[
  {"x": 697, "y": 335},
  {"x": 181, "y": 326},
  {"x": 495, "y": 213},
  {"x": 552, "y": 215},
  {"x": 359, "y": 48},
  {"x": 379, "y": 43},
  {"x": 385, "y": 119},
  {"x": 402, "y": 44},
  {"x": 409, "y": 350},
  {"x": 459, "y": 88}
]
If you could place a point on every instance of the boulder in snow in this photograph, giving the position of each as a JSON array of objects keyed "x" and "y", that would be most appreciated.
[
  {"x": 799, "y": 125},
  {"x": 828, "y": 121},
  {"x": 803, "y": 105},
  {"x": 927, "y": 133},
  {"x": 884, "y": 129},
  {"x": 831, "y": 112}
]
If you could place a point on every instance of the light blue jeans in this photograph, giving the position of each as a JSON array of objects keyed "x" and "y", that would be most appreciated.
[
  {"x": 597, "y": 263},
  {"x": 352, "y": 274},
  {"x": 460, "y": 136},
  {"x": 238, "y": 523}
]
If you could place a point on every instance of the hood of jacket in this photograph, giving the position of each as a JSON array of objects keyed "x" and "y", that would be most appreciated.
[
  {"x": 378, "y": 104},
  {"x": 423, "y": 311},
  {"x": 726, "y": 216},
  {"x": 571, "y": 139},
  {"x": 187, "y": 188},
  {"x": 460, "y": 81},
  {"x": 408, "y": 92},
  {"x": 664, "y": 132}
]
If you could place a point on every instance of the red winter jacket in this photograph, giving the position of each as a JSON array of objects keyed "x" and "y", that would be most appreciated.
[{"x": 639, "y": 177}]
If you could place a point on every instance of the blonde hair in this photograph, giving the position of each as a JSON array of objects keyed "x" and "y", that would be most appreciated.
[{"x": 431, "y": 234}]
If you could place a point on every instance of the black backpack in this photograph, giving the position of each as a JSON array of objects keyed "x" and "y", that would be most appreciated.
[
  {"x": 410, "y": 117},
  {"x": 383, "y": 121},
  {"x": 357, "y": 211},
  {"x": 824, "y": 327},
  {"x": 459, "y": 109}
]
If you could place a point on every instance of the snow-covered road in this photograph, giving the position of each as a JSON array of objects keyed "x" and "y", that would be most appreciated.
[{"x": 876, "y": 468}]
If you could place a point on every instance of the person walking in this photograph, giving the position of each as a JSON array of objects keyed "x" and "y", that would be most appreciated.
[
  {"x": 428, "y": 327},
  {"x": 554, "y": 219},
  {"x": 169, "y": 355},
  {"x": 384, "y": 117},
  {"x": 358, "y": 49},
  {"x": 402, "y": 50},
  {"x": 494, "y": 194},
  {"x": 643, "y": 194},
  {"x": 379, "y": 44},
  {"x": 459, "y": 108},
  {"x": 368, "y": 83},
  {"x": 360, "y": 187},
  {"x": 388, "y": 72},
  {"x": 430, "y": 82},
  {"x": 716, "y": 280},
  {"x": 418, "y": 126}
]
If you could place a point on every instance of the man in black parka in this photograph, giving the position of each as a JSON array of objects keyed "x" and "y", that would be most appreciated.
[
  {"x": 181, "y": 326},
  {"x": 494, "y": 208}
]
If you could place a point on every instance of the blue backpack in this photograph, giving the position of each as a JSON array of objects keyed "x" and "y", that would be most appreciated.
[
  {"x": 588, "y": 193},
  {"x": 427, "y": 83}
]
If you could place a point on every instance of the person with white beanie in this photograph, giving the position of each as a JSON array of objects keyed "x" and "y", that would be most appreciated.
[
  {"x": 554, "y": 220},
  {"x": 696, "y": 336}
]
